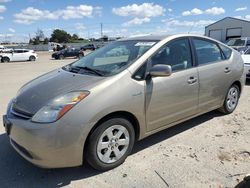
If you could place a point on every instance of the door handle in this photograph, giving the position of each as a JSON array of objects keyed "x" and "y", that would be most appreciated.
[
  {"x": 192, "y": 80},
  {"x": 227, "y": 70}
]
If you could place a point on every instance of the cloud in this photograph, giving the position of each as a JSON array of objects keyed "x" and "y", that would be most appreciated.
[
  {"x": 194, "y": 11},
  {"x": 12, "y": 30},
  {"x": 247, "y": 17},
  {"x": 79, "y": 26},
  {"x": 170, "y": 10},
  {"x": 179, "y": 23},
  {"x": 240, "y": 9},
  {"x": 136, "y": 21},
  {"x": 211, "y": 11},
  {"x": 2, "y": 8},
  {"x": 31, "y": 15},
  {"x": 5, "y": 1},
  {"x": 6, "y": 35},
  {"x": 1, "y": 18},
  {"x": 215, "y": 11},
  {"x": 81, "y": 11},
  {"x": 145, "y": 10}
]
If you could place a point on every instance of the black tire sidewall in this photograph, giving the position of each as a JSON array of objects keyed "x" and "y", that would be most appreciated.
[
  {"x": 61, "y": 57},
  {"x": 5, "y": 60},
  {"x": 91, "y": 150},
  {"x": 32, "y": 58}
]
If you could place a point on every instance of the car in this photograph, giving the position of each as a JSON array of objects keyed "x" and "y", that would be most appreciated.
[
  {"x": 239, "y": 44},
  {"x": 68, "y": 52},
  {"x": 95, "y": 109},
  {"x": 2, "y": 48},
  {"x": 89, "y": 47},
  {"x": 246, "y": 59},
  {"x": 18, "y": 55}
]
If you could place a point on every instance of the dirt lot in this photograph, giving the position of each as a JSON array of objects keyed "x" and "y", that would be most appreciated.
[{"x": 208, "y": 151}]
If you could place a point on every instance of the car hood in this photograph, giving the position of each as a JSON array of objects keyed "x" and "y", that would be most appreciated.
[{"x": 38, "y": 92}]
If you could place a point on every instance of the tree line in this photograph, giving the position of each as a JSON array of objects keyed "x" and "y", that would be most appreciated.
[{"x": 58, "y": 36}]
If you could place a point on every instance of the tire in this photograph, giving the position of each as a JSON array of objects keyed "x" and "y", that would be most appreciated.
[
  {"x": 61, "y": 57},
  {"x": 5, "y": 59},
  {"x": 231, "y": 100},
  {"x": 112, "y": 145},
  {"x": 80, "y": 56},
  {"x": 32, "y": 58}
]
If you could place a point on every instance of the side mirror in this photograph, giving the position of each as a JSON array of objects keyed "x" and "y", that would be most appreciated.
[{"x": 160, "y": 70}]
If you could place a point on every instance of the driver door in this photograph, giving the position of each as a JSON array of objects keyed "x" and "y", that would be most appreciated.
[{"x": 170, "y": 99}]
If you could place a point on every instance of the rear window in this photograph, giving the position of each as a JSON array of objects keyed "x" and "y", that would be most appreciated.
[
  {"x": 226, "y": 51},
  {"x": 207, "y": 51}
]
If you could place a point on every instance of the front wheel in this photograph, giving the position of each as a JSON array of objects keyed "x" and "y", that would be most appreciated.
[
  {"x": 5, "y": 60},
  {"x": 32, "y": 58},
  {"x": 231, "y": 100},
  {"x": 110, "y": 144},
  {"x": 61, "y": 57}
]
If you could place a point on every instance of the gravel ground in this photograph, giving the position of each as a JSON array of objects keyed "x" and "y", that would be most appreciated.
[{"x": 209, "y": 151}]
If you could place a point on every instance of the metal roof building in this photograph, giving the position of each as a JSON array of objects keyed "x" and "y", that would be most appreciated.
[{"x": 227, "y": 28}]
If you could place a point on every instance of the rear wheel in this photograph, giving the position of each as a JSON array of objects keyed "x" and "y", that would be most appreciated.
[
  {"x": 61, "y": 57},
  {"x": 231, "y": 100},
  {"x": 32, "y": 58},
  {"x": 110, "y": 144},
  {"x": 5, "y": 59}
]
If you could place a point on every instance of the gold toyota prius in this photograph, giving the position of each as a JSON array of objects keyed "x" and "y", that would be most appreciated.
[{"x": 96, "y": 108}]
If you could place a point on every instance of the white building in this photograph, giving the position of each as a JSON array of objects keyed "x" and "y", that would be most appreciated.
[{"x": 227, "y": 28}]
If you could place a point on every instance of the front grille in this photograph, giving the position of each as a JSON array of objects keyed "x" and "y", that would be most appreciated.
[{"x": 17, "y": 111}]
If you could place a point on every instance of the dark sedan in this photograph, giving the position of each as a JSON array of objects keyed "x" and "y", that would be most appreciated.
[
  {"x": 68, "y": 52},
  {"x": 89, "y": 47}
]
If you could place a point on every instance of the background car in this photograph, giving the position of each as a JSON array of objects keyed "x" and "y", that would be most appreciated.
[
  {"x": 239, "y": 44},
  {"x": 89, "y": 47},
  {"x": 68, "y": 52},
  {"x": 18, "y": 55},
  {"x": 246, "y": 59}
]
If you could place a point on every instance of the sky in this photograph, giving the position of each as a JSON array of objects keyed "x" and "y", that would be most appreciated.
[{"x": 20, "y": 19}]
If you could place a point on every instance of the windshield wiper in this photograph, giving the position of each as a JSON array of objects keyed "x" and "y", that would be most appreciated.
[{"x": 97, "y": 72}]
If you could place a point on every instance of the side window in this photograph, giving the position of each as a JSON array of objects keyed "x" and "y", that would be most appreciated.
[
  {"x": 226, "y": 51},
  {"x": 177, "y": 54},
  {"x": 207, "y": 52},
  {"x": 248, "y": 52}
]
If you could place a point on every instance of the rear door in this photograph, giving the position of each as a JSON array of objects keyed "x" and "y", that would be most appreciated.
[
  {"x": 17, "y": 55},
  {"x": 25, "y": 55},
  {"x": 214, "y": 73},
  {"x": 169, "y": 99}
]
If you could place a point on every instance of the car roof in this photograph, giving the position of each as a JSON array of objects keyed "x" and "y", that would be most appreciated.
[
  {"x": 162, "y": 37},
  {"x": 146, "y": 37},
  {"x": 21, "y": 49}
]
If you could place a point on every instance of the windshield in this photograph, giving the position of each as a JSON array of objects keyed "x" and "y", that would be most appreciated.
[
  {"x": 113, "y": 58},
  {"x": 236, "y": 42},
  {"x": 248, "y": 52}
]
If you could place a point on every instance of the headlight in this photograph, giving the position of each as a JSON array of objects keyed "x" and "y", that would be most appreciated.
[{"x": 60, "y": 105}]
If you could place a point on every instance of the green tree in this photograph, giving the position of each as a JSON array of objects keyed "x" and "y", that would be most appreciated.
[
  {"x": 75, "y": 37},
  {"x": 46, "y": 41},
  {"x": 60, "y": 36}
]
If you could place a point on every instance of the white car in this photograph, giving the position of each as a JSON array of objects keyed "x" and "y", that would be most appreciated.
[
  {"x": 18, "y": 55},
  {"x": 246, "y": 59}
]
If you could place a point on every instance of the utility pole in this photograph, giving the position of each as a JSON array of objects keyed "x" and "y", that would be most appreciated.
[{"x": 101, "y": 31}]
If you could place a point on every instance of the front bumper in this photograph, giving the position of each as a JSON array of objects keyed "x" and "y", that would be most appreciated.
[
  {"x": 247, "y": 70},
  {"x": 45, "y": 145}
]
